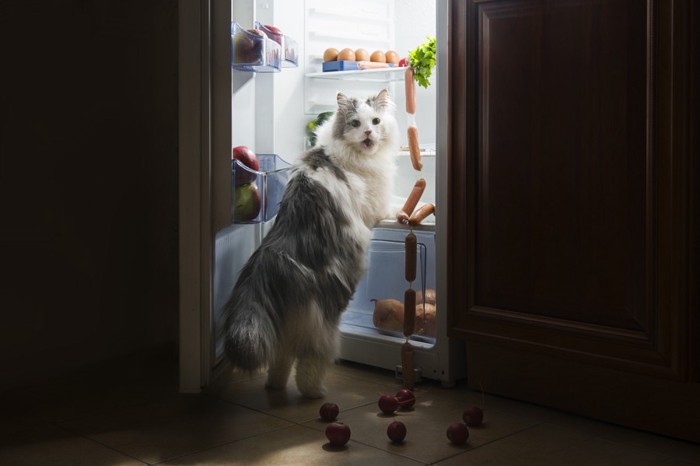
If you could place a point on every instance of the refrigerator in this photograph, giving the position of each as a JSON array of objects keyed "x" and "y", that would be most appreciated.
[{"x": 275, "y": 94}]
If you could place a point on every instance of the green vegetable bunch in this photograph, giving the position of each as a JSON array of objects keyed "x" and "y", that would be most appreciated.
[{"x": 422, "y": 59}]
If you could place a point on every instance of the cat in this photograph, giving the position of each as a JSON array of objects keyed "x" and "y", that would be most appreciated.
[{"x": 288, "y": 300}]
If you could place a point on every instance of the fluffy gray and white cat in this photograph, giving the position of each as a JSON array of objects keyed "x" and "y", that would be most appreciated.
[{"x": 287, "y": 303}]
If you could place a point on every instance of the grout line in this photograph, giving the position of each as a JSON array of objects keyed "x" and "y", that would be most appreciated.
[{"x": 85, "y": 437}]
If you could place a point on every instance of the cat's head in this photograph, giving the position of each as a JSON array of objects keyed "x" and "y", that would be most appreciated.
[{"x": 365, "y": 125}]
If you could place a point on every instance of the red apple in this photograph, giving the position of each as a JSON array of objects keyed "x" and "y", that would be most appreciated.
[
  {"x": 248, "y": 158},
  {"x": 406, "y": 398},
  {"x": 396, "y": 431},
  {"x": 329, "y": 411},
  {"x": 247, "y": 202},
  {"x": 388, "y": 404},
  {"x": 473, "y": 416},
  {"x": 338, "y": 434},
  {"x": 457, "y": 433},
  {"x": 403, "y": 61},
  {"x": 273, "y": 29}
]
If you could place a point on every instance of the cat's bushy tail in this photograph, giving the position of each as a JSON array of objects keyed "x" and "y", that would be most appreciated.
[{"x": 249, "y": 336}]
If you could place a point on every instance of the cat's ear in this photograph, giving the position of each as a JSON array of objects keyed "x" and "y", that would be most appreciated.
[
  {"x": 382, "y": 101},
  {"x": 344, "y": 102}
]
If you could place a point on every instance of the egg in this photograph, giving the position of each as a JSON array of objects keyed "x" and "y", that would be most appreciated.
[
  {"x": 330, "y": 54},
  {"x": 361, "y": 55},
  {"x": 392, "y": 56},
  {"x": 378, "y": 56},
  {"x": 346, "y": 54}
]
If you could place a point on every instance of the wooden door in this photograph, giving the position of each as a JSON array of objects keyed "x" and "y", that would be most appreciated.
[{"x": 573, "y": 206}]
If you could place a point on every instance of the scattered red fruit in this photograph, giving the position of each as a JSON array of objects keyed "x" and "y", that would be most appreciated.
[
  {"x": 457, "y": 433},
  {"x": 388, "y": 404},
  {"x": 396, "y": 431},
  {"x": 473, "y": 416},
  {"x": 329, "y": 411},
  {"x": 338, "y": 434},
  {"x": 406, "y": 398}
]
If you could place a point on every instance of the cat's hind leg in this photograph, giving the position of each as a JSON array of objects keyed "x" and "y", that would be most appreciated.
[
  {"x": 278, "y": 373},
  {"x": 311, "y": 372}
]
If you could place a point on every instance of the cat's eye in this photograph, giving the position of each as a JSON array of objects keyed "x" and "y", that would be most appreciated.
[
  {"x": 355, "y": 123},
  {"x": 376, "y": 121}
]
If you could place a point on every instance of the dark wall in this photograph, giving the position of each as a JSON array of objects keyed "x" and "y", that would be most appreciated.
[{"x": 88, "y": 183}]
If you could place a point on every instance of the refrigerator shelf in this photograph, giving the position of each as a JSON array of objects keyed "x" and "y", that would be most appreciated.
[
  {"x": 374, "y": 75},
  {"x": 252, "y": 52},
  {"x": 256, "y": 195}
]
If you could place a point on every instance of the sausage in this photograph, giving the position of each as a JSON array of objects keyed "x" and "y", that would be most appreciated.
[
  {"x": 409, "y": 376},
  {"x": 414, "y": 148},
  {"x": 411, "y": 253},
  {"x": 368, "y": 65},
  {"x": 420, "y": 214},
  {"x": 410, "y": 91},
  {"x": 404, "y": 214},
  {"x": 409, "y": 317}
]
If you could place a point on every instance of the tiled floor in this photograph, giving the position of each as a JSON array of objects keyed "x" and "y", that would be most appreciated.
[{"x": 143, "y": 420}]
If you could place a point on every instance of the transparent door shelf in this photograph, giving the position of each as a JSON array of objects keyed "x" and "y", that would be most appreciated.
[{"x": 256, "y": 195}]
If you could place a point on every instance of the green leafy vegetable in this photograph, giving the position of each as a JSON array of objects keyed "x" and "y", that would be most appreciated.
[{"x": 422, "y": 59}]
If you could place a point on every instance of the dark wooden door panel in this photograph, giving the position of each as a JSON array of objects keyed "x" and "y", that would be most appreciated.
[{"x": 569, "y": 223}]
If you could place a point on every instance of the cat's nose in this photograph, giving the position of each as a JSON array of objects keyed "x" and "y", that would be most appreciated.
[{"x": 368, "y": 132}]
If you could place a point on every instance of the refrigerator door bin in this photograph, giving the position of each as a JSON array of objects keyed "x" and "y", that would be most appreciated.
[
  {"x": 290, "y": 54},
  {"x": 253, "y": 52},
  {"x": 256, "y": 195}
]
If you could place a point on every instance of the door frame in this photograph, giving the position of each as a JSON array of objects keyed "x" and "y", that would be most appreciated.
[{"x": 204, "y": 130}]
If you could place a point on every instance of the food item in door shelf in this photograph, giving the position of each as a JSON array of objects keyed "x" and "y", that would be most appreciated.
[
  {"x": 330, "y": 54},
  {"x": 410, "y": 89},
  {"x": 346, "y": 55},
  {"x": 414, "y": 148},
  {"x": 247, "y": 202},
  {"x": 404, "y": 214},
  {"x": 248, "y": 158},
  {"x": 391, "y": 56},
  {"x": 362, "y": 55},
  {"x": 248, "y": 46},
  {"x": 273, "y": 29},
  {"x": 420, "y": 214},
  {"x": 378, "y": 56}
]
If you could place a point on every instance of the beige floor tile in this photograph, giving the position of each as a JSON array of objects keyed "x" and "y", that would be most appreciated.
[
  {"x": 346, "y": 392},
  {"x": 173, "y": 427},
  {"x": 532, "y": 446},
  {"x": 50, "y": 446},
  {"x": 292, "y": 446}
]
